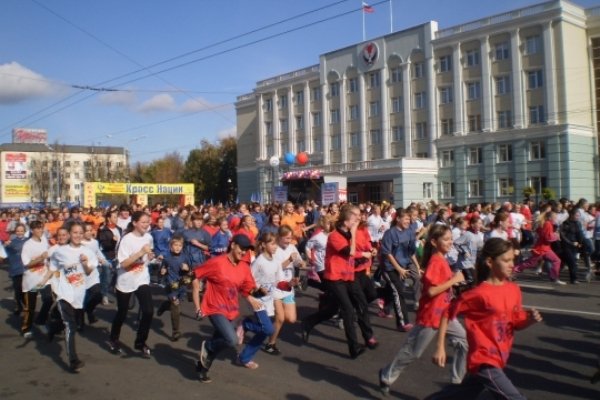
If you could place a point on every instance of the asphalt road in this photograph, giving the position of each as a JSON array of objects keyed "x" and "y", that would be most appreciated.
[{"x": 550, "y": 360}]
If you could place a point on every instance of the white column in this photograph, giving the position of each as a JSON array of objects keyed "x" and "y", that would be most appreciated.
[
  {"x": 549, "y": 79},
  {"x": 386, "y": 134},
  {"x": 432, "y": 114},
  {"x": 364, "y": 143},
  {"x": 407, "y": 98},
  {"x": 276, "y": 135},
  {"x": 308, "y": 145},
  {"x": 458, "y": 91},
  {"x": 291, "y": 122},
  {"x": 487, "y": 114},
  {"x": 262, "y": 147},
  {"x": 325, "y": 123},
  {"x": 517, "y": 79},
  {"x": 343, "y": 122}
]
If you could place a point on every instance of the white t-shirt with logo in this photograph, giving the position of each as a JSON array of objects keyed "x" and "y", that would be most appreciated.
[
  {"x": 70, "y": 285},
  {"x": 267, "y": 273},
  {"x": 137, "y": 274},
  {"x": 33, "y": 276}
]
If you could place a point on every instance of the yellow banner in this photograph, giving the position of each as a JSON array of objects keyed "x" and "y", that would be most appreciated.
[
  {"x": 142, "y": 190},
  {"x": 17, "y": 191}
]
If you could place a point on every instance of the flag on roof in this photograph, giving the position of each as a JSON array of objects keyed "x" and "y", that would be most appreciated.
[{"x": 367, "y": 8}]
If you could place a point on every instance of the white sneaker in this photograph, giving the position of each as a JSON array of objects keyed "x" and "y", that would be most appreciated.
[
  {"x": 28, "y": 335},
  {"x": 105, "y": 301},
  {"x": 588, "y": 276},
  {"x": 559, "y": 282}
]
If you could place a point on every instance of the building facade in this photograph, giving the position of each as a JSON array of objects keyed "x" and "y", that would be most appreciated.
[
  {"x": 38, "y": 173},
  {"x": 475, "y": 112}
]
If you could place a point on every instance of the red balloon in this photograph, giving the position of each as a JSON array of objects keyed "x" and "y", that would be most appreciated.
[{"x": 302, "y": 158}]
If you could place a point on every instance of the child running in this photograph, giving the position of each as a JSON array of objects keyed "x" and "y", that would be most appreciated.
[
  {"x": 435, "y": 300},
  {"x": 492, "y": 311}
]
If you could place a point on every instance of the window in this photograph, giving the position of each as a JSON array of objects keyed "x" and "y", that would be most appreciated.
[
  {"x": 76, "y": 186},
  {"x": 537, "y": 150},
  {"x": 472, "y": 58},
  {"x": 284, "y": 147},
  {"x": 354, "y": 139},
  {"x": 532, "y": 45},
  {"x": 299, "y": 122},
  {"x": 502, "y": 51},
  {"x": 475, "y": 123},
  {"x": 300, "y": 145},
  {"x": 283, "y": 125},
  {"x": 447, "y": 190},
  {"x": 475, "y": 188},
  {"x": 316, "y": 119},
  {"x": 538, "y": 183},
  {"x": 317, "y": 144},
  {"x": 422, "y": 155},
  {"x": 397, "y": 105},
  {"x": 446, "y": 95},
  {"x": 336, "y": 142},
  {"x": 76, "y": 175},
  {"x": 504, "y": 119},
  {"x": 475, "y": 155},
  {"x": 447, "y": 126},
  {"x": 502, "y": 85},
  {"x": 505, "y": 153},
  {"x": 535, "y": 79},
  {"x": 353, "y": 85},
  {"x": 505, "y": 187},
  {"x": 397, "y": 133},
  {"x": 334, "y": 116},
  {"x": 316, "y": 93},
  {"x": 269, "y": 105},
  {"x": 473, "y": 90},
  {"x": 419, "y": 70},
  {"x": 108, "y": 164},
  {"x": 283, "y": 101},
  {"x": 445, "y": 63},
  {"x": 353, "y": 113},
  {"x": 447, "y": 159},
  {"x": 536, "y": 115},
  {"x": 119, "y": 164},
  {"x": 67, "y": 163},
  {"x": 396, "y": 75},
  {"x": 334, "y": 89},
  {"x": 374, "y": 80},
  {"x": 88, "y": 176},
  {"x": 85, "y": 163},
  {"x": 419, "y": 100},
  {"x": 67, "y": 187},
  {"x": 374, "y": 109},
  {"x": 300, "y": 97},
  {"x": 76, "y": 163},
  {"x": 427, "y": 190},
  {"x": 375, "y": 136},
  {"x": 421, "y": 130}
]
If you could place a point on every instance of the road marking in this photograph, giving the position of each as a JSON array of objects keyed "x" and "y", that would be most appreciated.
[
  {"x": 560, "y": 310},
  {"x": 527, "y": 285}
]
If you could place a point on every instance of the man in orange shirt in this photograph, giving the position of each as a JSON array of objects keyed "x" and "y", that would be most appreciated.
[{"x": 294, "y": 219}]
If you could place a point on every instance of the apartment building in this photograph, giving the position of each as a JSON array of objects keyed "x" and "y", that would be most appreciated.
[{"x": 471, "y": 113}]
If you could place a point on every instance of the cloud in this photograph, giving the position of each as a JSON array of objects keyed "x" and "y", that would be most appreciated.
[
  {"x": 118, "y": 98},
  {"x": 226, "y": 133},
  {"x": 196, "y": 105},
  {"x": 160, "y": 102},
  {"x": 18, "y": 83}
]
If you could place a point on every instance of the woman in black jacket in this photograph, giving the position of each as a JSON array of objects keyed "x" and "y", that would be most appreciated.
[
  {"x": 572, "y": 241},
  {"x": 109, "y": 235}
]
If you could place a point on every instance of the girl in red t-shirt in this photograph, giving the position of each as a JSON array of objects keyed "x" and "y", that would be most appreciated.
[
  {"x": 435, "y": 300},
  {"x": 492, "y": 312}
]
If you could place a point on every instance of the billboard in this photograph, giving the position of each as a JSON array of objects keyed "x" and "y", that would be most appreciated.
[
  {"x": 26, "y": 135},
  {"x": 16, "y": 166}
]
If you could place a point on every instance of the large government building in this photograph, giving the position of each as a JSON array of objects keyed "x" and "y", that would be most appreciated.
[{"x": 471, "y": 113}]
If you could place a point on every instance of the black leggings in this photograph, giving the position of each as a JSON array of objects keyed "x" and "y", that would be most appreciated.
[{"x": 144, "y": 296}]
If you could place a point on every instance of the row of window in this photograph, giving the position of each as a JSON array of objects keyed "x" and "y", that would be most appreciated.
[
  {"x": 504, "y": 153},
  {"x": 55, "y": 163},
  {"x": 475, "y": 188}
]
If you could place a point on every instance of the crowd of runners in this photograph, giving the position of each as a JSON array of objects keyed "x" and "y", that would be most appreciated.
[{"x": 366, "y": 260}]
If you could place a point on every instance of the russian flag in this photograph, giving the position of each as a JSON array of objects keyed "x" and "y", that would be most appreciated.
[{"x": 367, "y": 8}]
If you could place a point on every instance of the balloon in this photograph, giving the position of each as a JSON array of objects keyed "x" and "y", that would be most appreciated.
[
  {"x": 274, "y": 161},
  {"x": 289, "y": 158},
  {"x": 302, "y": 158}
]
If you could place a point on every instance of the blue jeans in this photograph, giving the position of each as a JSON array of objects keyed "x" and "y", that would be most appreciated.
[
  {"x": 262, "y": 328},
  {"x": 223, "y": 337},
  {"x": 106, "y": 272}
]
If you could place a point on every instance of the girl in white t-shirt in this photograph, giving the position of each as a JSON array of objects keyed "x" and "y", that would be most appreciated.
[
  {"x": 34, "y": 256},
  {"x": 288, "y": 258},
  {"x": 73, "y": 262},
  {"x": 134, "y": 254},
  {"x": 93, "y": 292},
  {"x": 315, "y": 253}
]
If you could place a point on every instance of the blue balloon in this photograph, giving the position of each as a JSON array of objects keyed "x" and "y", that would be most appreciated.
[{"x": 290, "y": 158}]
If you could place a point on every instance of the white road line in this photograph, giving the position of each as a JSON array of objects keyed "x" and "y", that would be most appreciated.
[
  {"x": 560, "y": 310},
  {"x": 527, "y": 285}
]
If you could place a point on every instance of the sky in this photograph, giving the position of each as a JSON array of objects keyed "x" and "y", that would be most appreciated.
[{"x": 161, "y": 76}]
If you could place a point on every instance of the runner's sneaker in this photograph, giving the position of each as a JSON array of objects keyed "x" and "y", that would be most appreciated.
[
  {"x": 202, "y": 373},
  {"x": 76, "y": 366},
  {"x": 115, "y": 347},
  {"x": 559, "y": 282},
  {"x": 205, "y": 358},
  {"x": 271, "y": 349},
  {"x": 28, "y": 335},
  {"x": 384, "y": 388},
  {"x": 146, "y": 352}
]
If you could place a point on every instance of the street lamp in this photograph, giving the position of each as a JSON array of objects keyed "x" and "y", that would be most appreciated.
[
  {"x": 57, "y": 171},
  {"x": 229, "y": 191},
  {"x": 125, "y": 153}
]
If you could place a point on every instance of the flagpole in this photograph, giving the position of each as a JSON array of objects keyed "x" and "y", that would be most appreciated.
[
  {"x": 363, "y": 24},
  {"x": 391, "y": 18}
]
